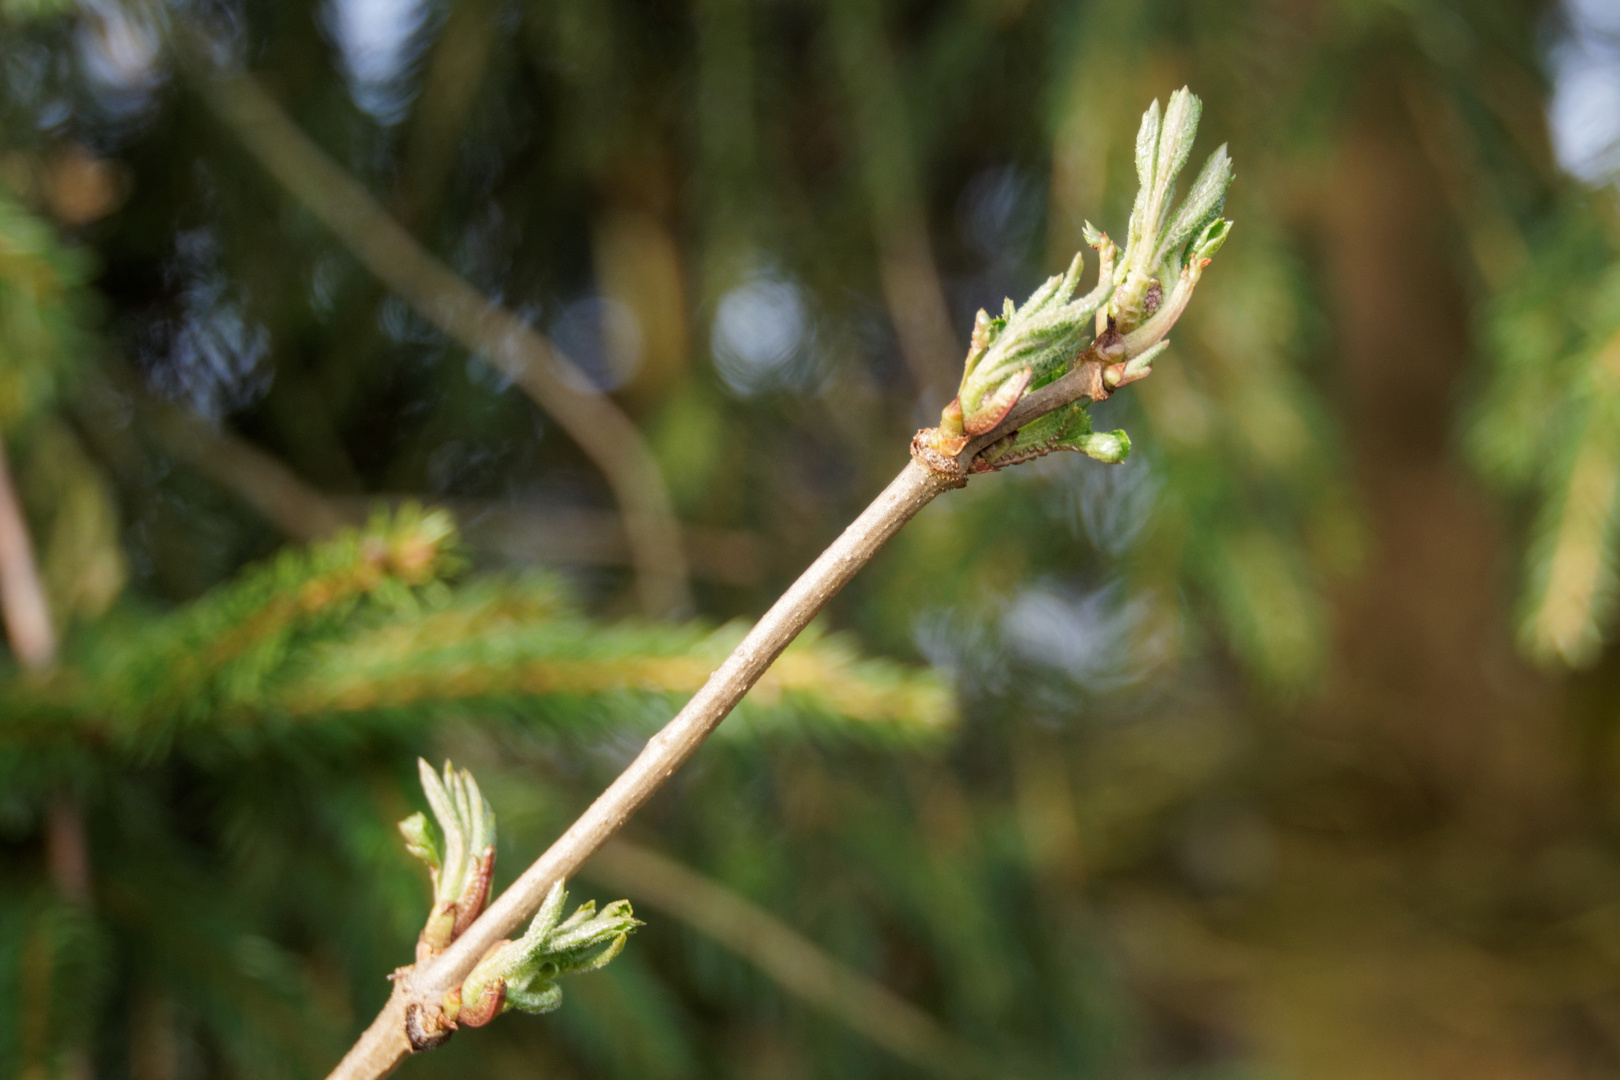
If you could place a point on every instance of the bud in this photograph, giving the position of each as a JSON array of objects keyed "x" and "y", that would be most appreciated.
[
  {"x": 523, "y": 974},
  {"x": 1025, "y": 347},
  {"x": 462, "y": 866},
  {"x": 1109, "y": 337}
]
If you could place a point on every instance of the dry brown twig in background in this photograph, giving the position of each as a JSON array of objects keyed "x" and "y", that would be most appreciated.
[
  {"x": 795, "y": 963},
  {"x": 32, "y": 636},
  {"x": 594, "y": 422}
]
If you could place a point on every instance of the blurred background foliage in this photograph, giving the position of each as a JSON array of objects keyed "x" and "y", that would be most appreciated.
[{"x": 1286, "y": 748}]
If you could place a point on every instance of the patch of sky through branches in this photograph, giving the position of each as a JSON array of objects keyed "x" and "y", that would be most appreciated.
[{"x": 1585, "y": 110}]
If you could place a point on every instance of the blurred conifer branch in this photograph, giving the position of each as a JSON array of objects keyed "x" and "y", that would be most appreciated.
[
  {"x": 1546, "y": 421},
  {"x": 364, "y": 625},
  {"x": 43, "y": 302},
  {"x": 44, "y": 349},
  {"x": 327, "y": 632},
  {"x": 511, "y": 639},
  {"x": 482, "y": 326},
  {"x": 1570, "y": 600},
  {"x": 1021, "y": 366}
]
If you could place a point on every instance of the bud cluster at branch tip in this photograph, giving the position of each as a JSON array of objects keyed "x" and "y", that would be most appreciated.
[{"x": 1111, "y": 335}]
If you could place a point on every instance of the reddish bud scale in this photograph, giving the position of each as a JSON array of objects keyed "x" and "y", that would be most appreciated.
[
  {"x": 992, "y": 410},
  {"x": 487, "y": 1008}
]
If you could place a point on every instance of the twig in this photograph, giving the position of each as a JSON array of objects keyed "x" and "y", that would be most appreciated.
[
  {"x": 786, "y": 956},
  {"x": 1085, "y": 381},
  {"x": 1497, "y": 245},
  {"x": 32, "y": 637},
  {"x": 384, "y": 1043},
  {"x": 454, "y": 76},
  {"x": 599, "y": 427},
  {"x": 67, "y": 854}
]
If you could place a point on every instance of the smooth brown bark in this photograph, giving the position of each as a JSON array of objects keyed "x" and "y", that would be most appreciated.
[{"x": 384, "y": 1044}]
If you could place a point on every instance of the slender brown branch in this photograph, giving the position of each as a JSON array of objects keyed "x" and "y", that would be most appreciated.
[
  {"x": 419, "y": 991},
  {"x": 595, "y": 423},
  {"x": 794, "y": 962},
  {"x": 535, "y": 532},
  {"x": 668, "y": 750},
  {"x": 32, "y": 636},
  {"x": 250, "y": 474},
  {"x": 384, "y": 1044}
]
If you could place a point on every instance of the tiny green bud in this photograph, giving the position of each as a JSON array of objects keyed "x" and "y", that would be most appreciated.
[
  {"x": 1067, "y": 428},
  {"x": 1111, "y": 447},
  {"x": 420, "y": 841},
  {"x": 1105, "y": 339}
]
